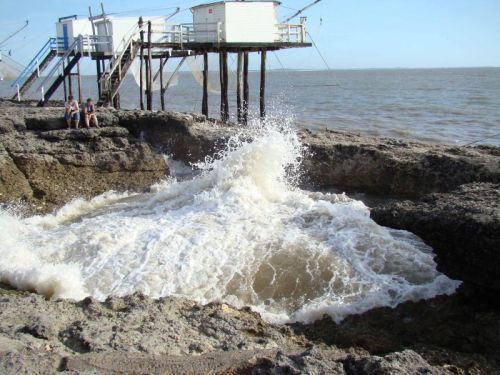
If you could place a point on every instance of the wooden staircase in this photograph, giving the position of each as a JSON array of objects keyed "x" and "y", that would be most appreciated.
[
  {"x": 35, "y": 68},
  {"x": 60, "y": 79},
  {"x": 111, "y": 81}
]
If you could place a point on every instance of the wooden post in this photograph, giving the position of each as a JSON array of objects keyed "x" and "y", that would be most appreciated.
[
  {"x": 239, "y": 82},
  {"x": 99, "y": 74},
  {"x": 70, "y": 86},
  {"x": 221, "y": 78},
  {"x": 64, "y": 83},
  {"x": 162, "y": 93},
  {"x": 246, "y": 90},
  {"x": 141, "y": 72},
  {"x": 116, "y": 100},
  {"x": 263, "y": 84},
  {"x": 149, "y": 72},
  {"x": 80, "y": 99},
  {"x": 204, "y": 103},
  {"x": 226, "y": 87}
]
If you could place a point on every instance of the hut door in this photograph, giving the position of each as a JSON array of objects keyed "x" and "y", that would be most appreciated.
[{"x": 65, "y": 36}]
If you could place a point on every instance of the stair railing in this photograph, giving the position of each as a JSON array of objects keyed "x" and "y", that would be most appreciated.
[
  {"x": 34, "y": 64},
  {"x": 115, "y": 63}
]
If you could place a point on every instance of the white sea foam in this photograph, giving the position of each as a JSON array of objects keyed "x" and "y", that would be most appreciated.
[{"x": 238, "y": 231}]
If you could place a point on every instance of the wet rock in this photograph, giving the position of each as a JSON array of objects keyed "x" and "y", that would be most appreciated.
[
  {"x": 48, "y": 168},
  {"x": 406, "y": 362},
  {"x": 189, "y": 137},
  {"x": 463, "y": 228},
  {"x": 137, "y": 334},
  {"x": 394, "y": 167}
]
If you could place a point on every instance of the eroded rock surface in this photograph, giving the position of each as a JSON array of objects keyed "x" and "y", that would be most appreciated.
[
  {"x": 137, "y": 335},
  {"x": 395, "y": 167},
  {"x": 463, "y": 228},
  {"x": 47, "y": 166}
]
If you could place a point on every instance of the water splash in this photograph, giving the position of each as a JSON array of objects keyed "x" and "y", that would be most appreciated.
[{"x": 240, "y": 231}]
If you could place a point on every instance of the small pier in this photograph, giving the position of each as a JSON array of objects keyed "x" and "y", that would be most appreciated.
[{"x": 241, "y": 28}]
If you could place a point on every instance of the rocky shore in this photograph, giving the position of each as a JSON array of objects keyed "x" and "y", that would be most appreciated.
[{"x": 454, "y": 207}]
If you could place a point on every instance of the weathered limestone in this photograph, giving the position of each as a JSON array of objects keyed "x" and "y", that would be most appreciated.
[
  {"x": 47, "y": 168},
  {"x": 137, "y": 334},
  {"x": 463, "y": 228},
  {"x": 391, "y": 167}
]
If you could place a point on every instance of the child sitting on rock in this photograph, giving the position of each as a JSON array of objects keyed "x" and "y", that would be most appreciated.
[
  {"x": 90, "y": 113},
  {"x": 72, "y": 113}
]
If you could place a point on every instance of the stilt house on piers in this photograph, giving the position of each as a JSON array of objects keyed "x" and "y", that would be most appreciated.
[{"x": 222, "y": 27}]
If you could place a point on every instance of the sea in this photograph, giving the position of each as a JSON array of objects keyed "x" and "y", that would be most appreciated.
[
  {"x": 452, "y": 106},
  {"x": 237, "y": 228}
]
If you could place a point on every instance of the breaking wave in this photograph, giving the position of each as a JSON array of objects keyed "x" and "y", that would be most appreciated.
[{"x": 240, "y": 231}]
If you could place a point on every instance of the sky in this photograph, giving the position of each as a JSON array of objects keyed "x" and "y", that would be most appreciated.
[{"x": 350, "y": 34}]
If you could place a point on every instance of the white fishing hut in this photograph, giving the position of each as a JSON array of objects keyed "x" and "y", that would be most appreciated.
[
  {"x": 119, "y": 31},
  {"x": 107, "y": 34},
  {"x": 69, "y": 28},
  {"x": 236, "y": 22}
]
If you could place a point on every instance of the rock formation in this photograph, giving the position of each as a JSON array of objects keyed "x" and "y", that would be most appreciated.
[
  {"x": 45, "y": 165},
  {"x": 463, "y": 228}
]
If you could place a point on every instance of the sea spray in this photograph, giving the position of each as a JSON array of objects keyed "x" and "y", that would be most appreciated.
[{"x": 239, "y": 231}]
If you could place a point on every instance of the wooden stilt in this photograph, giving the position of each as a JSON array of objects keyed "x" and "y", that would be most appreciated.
[
  {"x": 70, "y": 86},
  {"x": 246, "y": 90},
  {"x": 226, "y": 86},
  {"x": 263, "y": 84},
  {"x": 99, "y": 74},
  {"x": 141, "y": 72},
  {"x": 162, "y": 93},
  {"x": 64, "y": 84},
  {"x": 80, "y": 99},
  {"x": 204, "y": 103},
  {"x": 221, "y": 78},
  {"x": 116, "y": 101},
  {"x": 149, "y": 72},
  {"x": 239, "y": 82}
]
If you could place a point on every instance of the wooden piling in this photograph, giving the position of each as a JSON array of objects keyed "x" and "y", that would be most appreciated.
[
  {"x": 222, "y": 83},
  {"x": 70, "y": 86},
  {"x": 80, "y": 99},
  {"x": 149, "y": 72},
  {"x": 246, "y": 90},
  {"x": 141, "y": 71},
  {"x": 162, "y": 92},
  {"x": 226, "y": 86},
  {"x": 263, "y": 84},
  {"x": 99, "y": 74},
  {"x": 116, "y": 101},
  {"x": 239, "y": 82},
  {"x": 64, "y": 83},
  {"x": 204, "y": 103}
]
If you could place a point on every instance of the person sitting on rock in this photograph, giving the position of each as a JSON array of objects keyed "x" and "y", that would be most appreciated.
[
  {"x": 72, "y": 114},
  {"x": 90, "y": 114}
]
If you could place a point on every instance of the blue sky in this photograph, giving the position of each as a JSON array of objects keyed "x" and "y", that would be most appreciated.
[{"x": 351, "y": 34}]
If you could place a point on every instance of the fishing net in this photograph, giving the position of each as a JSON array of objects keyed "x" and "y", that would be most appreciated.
[
  {"x": 195, "y": 64},
  {"x": 135, "y": 71},
  {"x": 9, "y": 69}
]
